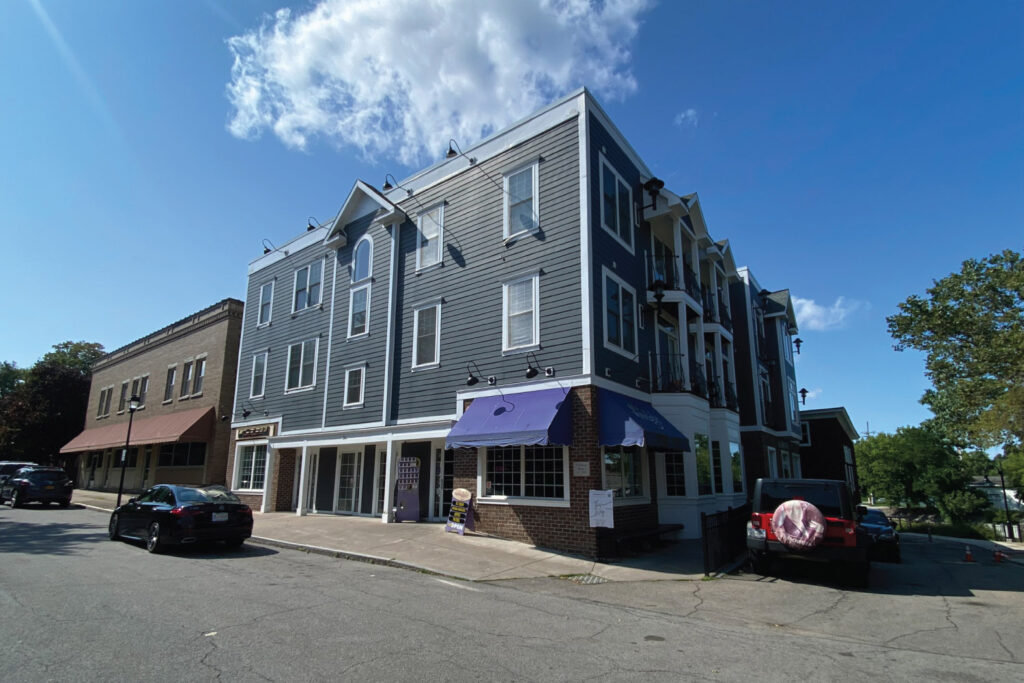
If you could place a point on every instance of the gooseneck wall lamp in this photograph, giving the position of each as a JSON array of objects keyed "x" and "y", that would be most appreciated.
[
  {"x": 803, "y": 396},
  {"x": 472, "y": 379},
  {"x": 133, "y": 405},
  {"x": 531, "y": 369},
  {"x": 798, "y": 342}
]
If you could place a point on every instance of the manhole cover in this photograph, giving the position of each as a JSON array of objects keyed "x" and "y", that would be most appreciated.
[{"x": 586, "y": 578}]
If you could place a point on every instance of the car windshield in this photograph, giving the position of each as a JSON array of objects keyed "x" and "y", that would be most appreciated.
[
  {"x": 875, "y": 517},
  {"x": 210, "y": 494},
  {"x": 46, "y": 477},
  {"x": 826, "y": 499},
  {"x": 11, "y": 469}
]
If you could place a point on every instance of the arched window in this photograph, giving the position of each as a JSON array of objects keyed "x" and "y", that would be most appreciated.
[{"x": 361, "y": 258}]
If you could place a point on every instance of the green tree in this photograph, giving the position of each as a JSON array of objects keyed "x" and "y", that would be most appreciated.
[
  {"x": 918, "y": 466},
  {"x": 10, "y": 377},
  {"x": 970, "y": 325},
  {"x": 47, "y": 409}
]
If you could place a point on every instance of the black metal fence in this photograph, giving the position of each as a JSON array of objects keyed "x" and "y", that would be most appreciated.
[{"x": 724, "y": 536}]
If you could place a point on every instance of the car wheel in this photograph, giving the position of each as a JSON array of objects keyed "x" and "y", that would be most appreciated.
[
  {"x": 17, "y": 500},
  {"x": 113, "y": 529},
  {"x": 153, "y": 539},
  {"x": 234, "y": 542},
  {"x": 65, "y": 503}
]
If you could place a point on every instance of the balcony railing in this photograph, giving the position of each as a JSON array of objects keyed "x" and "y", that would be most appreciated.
[
  {"x": 665, "y": 269},
  {"x": 731, "y": 401},
  {"x": 667, "y": 373},
  {"x": 698, "y": 384},
  {"x": 715, "y": 395},
  {"x": 723, "y": 316},
  {"x": 692, "y": 283}
]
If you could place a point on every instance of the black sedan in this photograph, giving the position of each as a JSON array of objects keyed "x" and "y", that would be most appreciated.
[
  {"x": 35, "y": 483},
  {"x": 885, "y": 540},
  {"x": 169, "y": 514}
]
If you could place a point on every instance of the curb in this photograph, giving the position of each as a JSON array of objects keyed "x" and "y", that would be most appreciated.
[{"x": 1015, "y": 558}]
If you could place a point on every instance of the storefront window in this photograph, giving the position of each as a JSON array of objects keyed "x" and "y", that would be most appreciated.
[
  {"x": 703, "y": 454},
  {"x": 622, "y": 471},
  {"x": 737, "y": 466},
  {"x": 716, "y": 465},
  {"x": 251, "y": 467},
  {"x": 525, "y": 472},
  {"x": 675, "y": 473}
]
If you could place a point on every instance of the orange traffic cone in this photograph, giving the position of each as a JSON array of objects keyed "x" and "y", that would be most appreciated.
[
  {"x": 968, "y": 555},
  {"x": 997, "y": 556}
]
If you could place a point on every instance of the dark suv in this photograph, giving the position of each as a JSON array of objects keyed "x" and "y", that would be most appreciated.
[
  {"x": 42, "y": 484},
  {"x": 810, "y": 519}
]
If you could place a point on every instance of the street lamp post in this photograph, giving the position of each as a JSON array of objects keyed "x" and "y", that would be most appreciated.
[{"x": 133, "y": 405}]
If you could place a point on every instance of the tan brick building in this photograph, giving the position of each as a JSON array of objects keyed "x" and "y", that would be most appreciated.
[{"x": 184, "y": 376}]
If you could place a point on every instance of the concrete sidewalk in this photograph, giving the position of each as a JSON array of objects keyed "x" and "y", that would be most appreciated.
[{"x": 428, "y": 547}]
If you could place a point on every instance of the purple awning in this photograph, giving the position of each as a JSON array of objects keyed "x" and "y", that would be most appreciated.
[
  {"x": 628, "y": 422},
  {"x": 534, "y": 418}
]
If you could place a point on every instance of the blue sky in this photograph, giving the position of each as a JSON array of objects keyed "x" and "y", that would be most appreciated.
[{"x": 852, "y": 152}]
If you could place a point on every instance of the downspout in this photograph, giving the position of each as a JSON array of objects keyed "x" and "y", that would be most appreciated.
[
  {"x": 391, "y": 314},
  {"x": 330, "y": 339}
]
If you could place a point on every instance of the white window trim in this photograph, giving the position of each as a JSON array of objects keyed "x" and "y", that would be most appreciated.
[
  {"x": 416, "y": 338},
  {"x": 182, "y": 384},
  {"x": 645, "y": 480},
  {"x": 270, "y": 309},
  {"x": 369, "y": 269},
  {"x": 440, "y": 237},
  {"x": 506, "y": 347},
  {"x": 351, "y": 301},
  {"x": 632, "y": 221},
  {"x": 805, "y": 430},
  {"x": 605, "y": 274},
  {"x": 173, "y": 387},
  {"x": 252, "y": 375},
  {"x": 287, "y": 367},
  {"x": 362, "y": 387},
  {"x": 295, "y": 284},
  {"x": 534, "y": 167},
  {"x": 481, "y": 474},
  {"x": 235, "y": 478},
  {"x": 195, "y": 375}
]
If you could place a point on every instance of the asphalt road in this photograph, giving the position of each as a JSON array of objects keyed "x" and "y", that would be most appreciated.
[{"x": 76, "y": 606}]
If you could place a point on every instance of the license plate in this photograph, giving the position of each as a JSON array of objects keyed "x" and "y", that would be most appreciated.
[
  {"x": 47, "y": 488},
  {"x": 220, "y": 516}
]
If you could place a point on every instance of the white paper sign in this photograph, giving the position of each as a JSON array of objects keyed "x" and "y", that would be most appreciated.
[{"x": 602, "y": 508}]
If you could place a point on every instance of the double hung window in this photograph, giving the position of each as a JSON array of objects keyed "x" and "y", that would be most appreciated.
[
  {"x": 426, "y": 336},
  {"x": 266, "y": 303},
  {"x": 521, "y": 320},
  {"x": 620, "y": 330},
  {"x": 308, "y": 288},
  {"x": 186, "y": 378},
  {"x": 301, "y": 365},
  {"x": 525, "y": 472},
  {"x": 259, "y": 375},
  {"x": 354, "y": 386},
  {"x": 359, "y": 294},
  {"x": 124, "y": 397},
  {"x": 616, "y": 205},
  {"x": 172, "y": 373},
  {"x": 430, "y": 238},
  {"x": 200, "y": 373},
  {"x": 252, "y": 466},
  {"x": 675, "y": 473},
  {"x": 716, "y": 466},
  {"x": 521, "y": 202}
]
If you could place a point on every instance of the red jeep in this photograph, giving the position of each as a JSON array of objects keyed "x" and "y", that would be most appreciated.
[{"x": 810, "y": 519}]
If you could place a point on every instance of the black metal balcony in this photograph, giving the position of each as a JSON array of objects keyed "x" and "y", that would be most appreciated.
[
  {"x": 731, "y": 401},
  {"x": 668, "y": 374},
  {"x": 723, "y": 316},
  {"x": 692, "y": 283},
  {"x": 698, "y": 385},
  {"x": 665, "y": 270},
  {"x": 715, "y": 395}
]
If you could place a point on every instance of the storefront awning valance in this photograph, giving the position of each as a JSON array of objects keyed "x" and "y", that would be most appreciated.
[
  {"x": 533, "y": 418},
  {"x": 186, "y": 425},
  {"x": 627, "y": 421}
]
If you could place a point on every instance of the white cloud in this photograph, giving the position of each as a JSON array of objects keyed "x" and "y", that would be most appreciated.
[
  {"x": 815, "y": 317},
  {"x": 687, "y": 117},
  {"x": 397, "y": 78},
  {"x": 813, "y": 393}
]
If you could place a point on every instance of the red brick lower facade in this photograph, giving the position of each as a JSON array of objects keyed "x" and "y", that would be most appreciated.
[{"x": 560, "y": 528}]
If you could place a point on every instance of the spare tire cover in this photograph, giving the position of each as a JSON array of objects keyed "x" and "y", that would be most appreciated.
[{"x": 798, "y": 524}]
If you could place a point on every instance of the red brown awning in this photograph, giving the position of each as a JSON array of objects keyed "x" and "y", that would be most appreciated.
[{"x": 186, "y": 425}]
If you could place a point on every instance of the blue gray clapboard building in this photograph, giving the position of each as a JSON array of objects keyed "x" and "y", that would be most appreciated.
[{"x": 531, "y": 318}]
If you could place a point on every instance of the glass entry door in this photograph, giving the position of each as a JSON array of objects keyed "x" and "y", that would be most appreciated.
[
  {"x": 444, "y": 478},
  {"x": 350, "y": 467}
]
